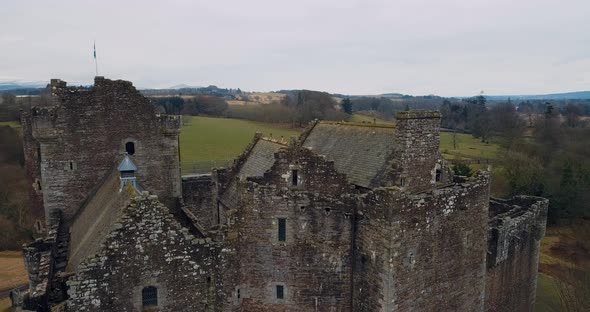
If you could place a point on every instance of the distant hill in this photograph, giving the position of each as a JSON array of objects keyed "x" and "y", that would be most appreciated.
[
  {"x": 579, "y": 95},
  {"x": 184, "y": 86},
  {"x": 17, "y": 86}
]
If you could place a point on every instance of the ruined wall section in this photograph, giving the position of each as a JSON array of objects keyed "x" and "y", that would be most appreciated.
[
  {"x": 313, "y": 264},
  {"x": 84, "y": 135},
  {"x": 516, "y": 228},
  {"x": 148, "y": 247},
  {"x": 417, "y": 155},
  {"x": 32, "y": 153},
  {"x": 422, "y": 252}
]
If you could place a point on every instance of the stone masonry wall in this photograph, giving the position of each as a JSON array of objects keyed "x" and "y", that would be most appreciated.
[
  {"x": 148, "y": 247},
  {"x": 313, "y": 264},
  {"x": 422, "y": 252},
  {"x": 199, "y": 195},
  {"x": 516, "y": 229},
  {"x": 417, "y": 149},
  {"x": 32, "y": 155},
  {"x": 83, "y": 136}
]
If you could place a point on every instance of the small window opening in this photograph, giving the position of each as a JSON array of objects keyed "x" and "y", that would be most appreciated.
[
  {"x": 149, "y": 296},
  {"x": 71, "y": 165},
  {"x": 327, "y": 211},
  {"x": 402, "y": 181},
  {"x": 39, "y": 185},
  {"x": 294, "y": 177},
  {"x": 302, "y": 208},
  {"x": 38, "y": 226},
  {"x": 282, "y": 229},
  {"x": 280, "y": 292},
  {"x": 438, "y": 175},
  {"x": 130, "y": 148},
  {"x": 239, "y": 294}
]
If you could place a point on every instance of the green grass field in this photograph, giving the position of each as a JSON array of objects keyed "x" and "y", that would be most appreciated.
[
  {"x": 468, "y": 147},
  {"x": 364, "y": 119},
  {"x": 547, "y": 294},
  {"x": 207, "y": 142}
]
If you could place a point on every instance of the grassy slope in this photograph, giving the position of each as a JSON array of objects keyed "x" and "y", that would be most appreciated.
[
  {"x": 207, "y": 139},
  {"x": 12, "y": 270}
]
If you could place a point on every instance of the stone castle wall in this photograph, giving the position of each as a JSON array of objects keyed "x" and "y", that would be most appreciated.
[
  {"x": 148, "y": 247},
  {"x": 32, "y": 153},
  {"x": 83, "y": 136},
  {"x": 515, "y": 232},
  {"x": 422, "y": 252},
  {"x": 313, "y": 264}
]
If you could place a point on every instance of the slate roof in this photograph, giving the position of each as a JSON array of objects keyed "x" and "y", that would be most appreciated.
[
  {"x": 127, "y": 165},
  {"x": 362, "y": 152},
  {"x": 260, "y": 159},
  {"x": 95, "y": 219}
]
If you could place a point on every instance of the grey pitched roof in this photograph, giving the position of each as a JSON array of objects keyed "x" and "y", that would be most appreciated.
[
  {"x": 362, "y": 152},
  {"x": 260, "y": 159},
  {"x": 95, "y": 219},
  {"x": 127, "y": 165}
]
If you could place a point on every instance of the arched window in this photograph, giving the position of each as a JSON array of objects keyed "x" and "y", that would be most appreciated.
[
  {"x": 149, "y": 296},
  {"x": 130, "y": 148}
]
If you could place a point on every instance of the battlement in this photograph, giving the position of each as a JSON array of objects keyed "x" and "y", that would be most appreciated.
[
  {"x": 170, "y": 124},
  {"x": 510, "y": 221},
  {"x": 418, "y": 114}
]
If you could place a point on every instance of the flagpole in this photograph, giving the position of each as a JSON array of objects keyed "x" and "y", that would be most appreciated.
[{"x": 95, "y": 61}]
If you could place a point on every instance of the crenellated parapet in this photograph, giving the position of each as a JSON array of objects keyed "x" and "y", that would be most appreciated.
[{"x": 170, "y": 124}]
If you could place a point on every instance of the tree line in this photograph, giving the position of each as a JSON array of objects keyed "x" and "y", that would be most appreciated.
[{"x": 545, "y": 149}]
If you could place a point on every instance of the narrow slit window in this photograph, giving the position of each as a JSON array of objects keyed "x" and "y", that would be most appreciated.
[
  {"x": 239, "y": 295},
  {"x": 280, "y": 292},
  {"x": 438, "y": 175},
  {"x": 294, "y": 177},
  {"x": 130, "y": 148},
  {"x": 149, "y": 296},
  {"x": 282, "y": 229},
  {"x": 71, "y": 165}
]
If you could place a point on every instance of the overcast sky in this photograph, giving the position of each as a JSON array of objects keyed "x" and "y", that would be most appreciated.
[{"x": 444, "y": 47}]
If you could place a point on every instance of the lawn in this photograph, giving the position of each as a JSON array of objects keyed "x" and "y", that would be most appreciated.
[{"x": 209, "y": 142}]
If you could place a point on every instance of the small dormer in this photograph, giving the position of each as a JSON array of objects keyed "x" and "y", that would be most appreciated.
[{"x": 127, "y": 169}]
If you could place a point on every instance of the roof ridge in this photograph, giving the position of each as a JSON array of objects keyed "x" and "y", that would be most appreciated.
[
  {"x": 358, "y": 124},
  {"x": 280, "y": 142}
]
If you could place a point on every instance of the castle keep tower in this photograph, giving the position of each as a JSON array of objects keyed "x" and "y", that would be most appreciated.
[{"x": 71, "y": 146}]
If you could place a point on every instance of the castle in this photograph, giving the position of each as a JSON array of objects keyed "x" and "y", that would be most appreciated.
[{"x": 346, "y": 217}]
